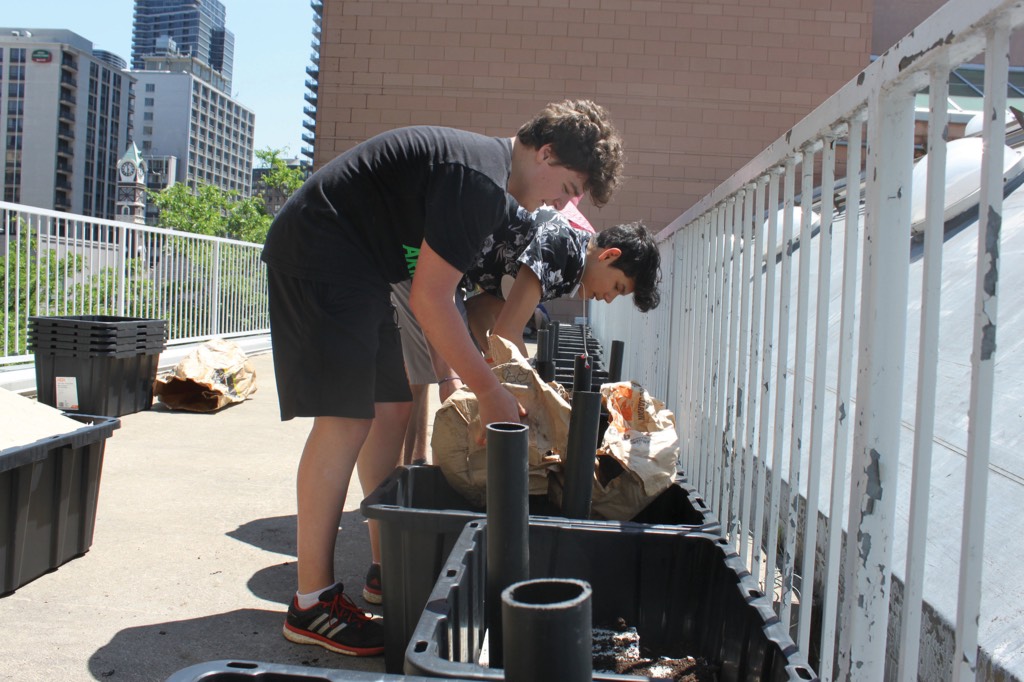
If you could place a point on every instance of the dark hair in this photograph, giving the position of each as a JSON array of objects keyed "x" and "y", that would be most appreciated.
[
  {"x": 583, "y": 139},
  {"x": 640, "y": 260}
]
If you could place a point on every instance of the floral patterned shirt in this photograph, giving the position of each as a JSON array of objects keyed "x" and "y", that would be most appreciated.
[{"x": 543, "y": 241}]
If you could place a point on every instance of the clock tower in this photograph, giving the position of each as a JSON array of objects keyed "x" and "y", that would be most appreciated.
[{"x": 131, "y": 187}]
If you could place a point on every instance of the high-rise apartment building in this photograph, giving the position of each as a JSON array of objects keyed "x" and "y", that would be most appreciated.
[
  {"x": 182, "y": 115},
  {"x": 193, "y": 28},
  {"x": 66, "y": 114},
  {"x": 182, "y": 54}
]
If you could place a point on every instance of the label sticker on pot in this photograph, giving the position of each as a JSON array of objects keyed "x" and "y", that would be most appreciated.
[{"x": 67, "y": 393}]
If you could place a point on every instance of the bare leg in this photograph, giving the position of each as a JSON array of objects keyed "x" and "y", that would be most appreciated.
[
  {"x": 380, "y": 454},
  {"x": 415, "y": 447},
  {"x": 324, "y": 473}
]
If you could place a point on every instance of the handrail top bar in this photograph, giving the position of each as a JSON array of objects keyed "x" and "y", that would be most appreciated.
[
  {"x": 80, "y": 219},
  {"x": 905, "y": 63}
]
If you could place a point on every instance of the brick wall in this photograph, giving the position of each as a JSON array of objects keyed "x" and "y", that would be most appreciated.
[{"x": 696, "y": 88}]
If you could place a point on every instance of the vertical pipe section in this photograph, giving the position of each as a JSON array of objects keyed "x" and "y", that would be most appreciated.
[
  {"x": 851, "y": 235},
  {"x": 615, "y": 361},
  {"x": 983, "y": 356},
  {"x": 880, "y": 368},
  {"x": 821, "y": 329},
  {"x": 580, "y": 454},
  {"x": 508, "y": 554},
  {"x": 583, "y": 374},
  {"x": 548, "y": 631},
  {"x": 545, "y": 363},
  {"x": 924, "y": 422}
]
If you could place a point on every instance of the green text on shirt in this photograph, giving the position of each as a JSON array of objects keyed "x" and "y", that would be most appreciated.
[{"x": 412, "y": 254}]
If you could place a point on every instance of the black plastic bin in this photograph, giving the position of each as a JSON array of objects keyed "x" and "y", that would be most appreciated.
[
  {"x": 49, "y": 491},
  {"x": 420, "y": 517},
  {"x": 687, "y": 594},
  {"x": 96, "y": 364},
  {"x": 253, "y": 671}
]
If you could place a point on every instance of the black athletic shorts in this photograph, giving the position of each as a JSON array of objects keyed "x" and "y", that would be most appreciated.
[{"x": 337, "y": 349}]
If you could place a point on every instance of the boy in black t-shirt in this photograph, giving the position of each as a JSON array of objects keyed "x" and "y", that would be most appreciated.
[{"x": 409, "y": 203}]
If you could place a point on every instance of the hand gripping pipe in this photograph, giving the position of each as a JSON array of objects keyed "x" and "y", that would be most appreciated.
[
  {"x": 615, "y": 361},
  {"x": 580, "y": 454},
  {"x": 548, "y": 633},
  {"x": 508, "y": 553}
]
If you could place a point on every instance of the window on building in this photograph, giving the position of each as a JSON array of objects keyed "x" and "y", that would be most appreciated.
[
  {"x": 147, "y": 130},
  {"x": 16, "y": 89},
  {"x": 148, "y": 102},
  {"x": 18, "y": 55},
  {"x": 16, "y": 72},
  {"x": 150, "y": 87},
  {"x": 147, "y": 116}
]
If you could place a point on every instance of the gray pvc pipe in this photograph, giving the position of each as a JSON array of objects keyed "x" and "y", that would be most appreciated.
[
  {"x": 583, "y": 373},
  {"x": 545, "y": 360},
  {"x": 580, "y": 454},
  {"x": 615, "y": 361},
  {"x": 548, "y": 633},
  {"x": 508, "y": 517}
]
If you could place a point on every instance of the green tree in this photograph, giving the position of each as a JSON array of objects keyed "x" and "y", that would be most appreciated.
[
  {"x": 212, "y": 211},
  {"x": 280, "y": 176}
]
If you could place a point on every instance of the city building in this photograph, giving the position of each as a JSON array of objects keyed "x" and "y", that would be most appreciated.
[
  {"x": 182, "y": 57},
  {"x": 312, "y": 83},
  {"x": 194, "y": 28},
  {"x": 273, "y": 197},
  {"x": 66, "y": 112},
  {"x": 180, "y": 114}
]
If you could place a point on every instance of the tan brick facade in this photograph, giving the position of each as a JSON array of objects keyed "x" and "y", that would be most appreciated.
[{"x": 696, "y": 88}]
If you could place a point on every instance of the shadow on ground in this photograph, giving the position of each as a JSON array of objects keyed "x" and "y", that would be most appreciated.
[{"x": 154, "y": 652}]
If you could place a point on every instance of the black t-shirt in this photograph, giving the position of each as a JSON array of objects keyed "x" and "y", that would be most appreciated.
[{"x": 389, "y": 193}]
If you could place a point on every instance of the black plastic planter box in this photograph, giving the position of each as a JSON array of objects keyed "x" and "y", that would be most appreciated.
[
  {"x": 106, "y": 364},
  {"x": 687, "y": 594},
  {"x": 420, "y": 517},
  {"x": 252, "y": 671},
  {"x": 111, "y": 385},
  {"x": 48, "y": 494}
]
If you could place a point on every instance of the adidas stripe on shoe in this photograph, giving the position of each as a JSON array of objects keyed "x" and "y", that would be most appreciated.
[{"x": 336, "y": 624}]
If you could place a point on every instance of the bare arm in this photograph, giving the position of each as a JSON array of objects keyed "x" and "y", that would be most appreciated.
[
  {"x": 431, "y": 301},
  {"x": 519, "y": 306}
]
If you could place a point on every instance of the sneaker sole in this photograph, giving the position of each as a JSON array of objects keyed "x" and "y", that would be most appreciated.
[
  {"x": 373, "y": 597},
  {"x": 304, "y": 637}
]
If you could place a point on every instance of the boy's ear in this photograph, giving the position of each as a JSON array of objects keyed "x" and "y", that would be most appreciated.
[
  {"x": 546, "y": 153},
  {"x": 610, "y": 254}
]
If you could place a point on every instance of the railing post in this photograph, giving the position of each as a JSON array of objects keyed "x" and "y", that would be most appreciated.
[
  {"x": 879, "y": 385},
  {"x": 122, "y": 267},
  {"x": 215, "y": 292}
]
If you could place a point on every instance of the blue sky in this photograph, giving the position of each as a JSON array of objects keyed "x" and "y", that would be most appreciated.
[{"x": 272, "y": 49}]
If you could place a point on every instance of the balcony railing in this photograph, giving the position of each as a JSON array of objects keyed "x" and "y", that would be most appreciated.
[
  {"x": 814, "y": 373},
  {"x": 65, "y": 264}
]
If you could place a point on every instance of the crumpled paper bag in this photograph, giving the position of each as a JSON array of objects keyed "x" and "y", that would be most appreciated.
[
  {"x": 453, "y": 443},
  {"x": 216, "y": 374},
  {"x": 637, "y": 457}
]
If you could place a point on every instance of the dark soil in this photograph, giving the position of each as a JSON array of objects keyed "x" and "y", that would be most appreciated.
[
  {"x": 678, "y": 669},
  {"x": 617, "y": 650}
]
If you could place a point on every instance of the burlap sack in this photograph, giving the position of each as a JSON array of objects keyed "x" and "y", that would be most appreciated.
[
  {"x": 641, "y": 439},
  {"x": 215, "y": 374},
  {"x": 636, "y": 460},
  {"x": 453, "y": 442}
]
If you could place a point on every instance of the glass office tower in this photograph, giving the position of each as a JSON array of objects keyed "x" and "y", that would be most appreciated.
[{"x": 194, "y": 28}]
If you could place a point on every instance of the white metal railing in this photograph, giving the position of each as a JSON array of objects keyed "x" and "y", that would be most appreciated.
[
  {"x": 54, "y": 263},
  {"x": 767, "y": 312}
]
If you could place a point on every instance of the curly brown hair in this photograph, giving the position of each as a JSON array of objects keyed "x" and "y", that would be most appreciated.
[{"x": 583, "y": 139}]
